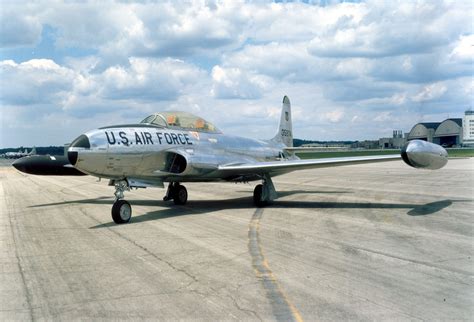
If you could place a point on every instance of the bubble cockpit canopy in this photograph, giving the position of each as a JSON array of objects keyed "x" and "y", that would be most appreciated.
[{"x": 181, "y": 120}]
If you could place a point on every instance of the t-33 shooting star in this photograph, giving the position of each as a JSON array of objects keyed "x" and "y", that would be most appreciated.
[{"x": 177, "y": 147}]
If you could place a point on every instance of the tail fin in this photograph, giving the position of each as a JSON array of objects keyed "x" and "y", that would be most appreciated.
[{"x": 285, "y": 131}]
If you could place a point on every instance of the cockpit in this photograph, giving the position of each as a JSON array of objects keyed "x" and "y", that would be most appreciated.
[{"x": 181, "y": 121}]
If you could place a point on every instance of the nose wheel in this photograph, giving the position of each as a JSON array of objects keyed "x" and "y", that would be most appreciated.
[{"x": 121, "y": 209}]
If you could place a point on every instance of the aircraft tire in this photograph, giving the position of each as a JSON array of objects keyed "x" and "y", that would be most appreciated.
[
  {"x": 121, "y": 212},
  {"x": 257, "y": 196},
  {"x": 180, "y": 196}
]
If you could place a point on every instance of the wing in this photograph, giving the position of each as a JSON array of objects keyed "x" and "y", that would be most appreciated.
[{"x": 280, "y": 167}]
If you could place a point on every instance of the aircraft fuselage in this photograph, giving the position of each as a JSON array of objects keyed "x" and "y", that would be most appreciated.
[{"x": 119, "y": 152}]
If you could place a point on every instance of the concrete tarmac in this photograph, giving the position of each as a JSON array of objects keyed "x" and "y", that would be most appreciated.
[{"x": 365, "y": 242}]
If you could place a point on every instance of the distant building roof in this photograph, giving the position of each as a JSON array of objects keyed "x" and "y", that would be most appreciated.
[
  {"x": 457, "y": 121},
  {"x": 430, "y": 125}
]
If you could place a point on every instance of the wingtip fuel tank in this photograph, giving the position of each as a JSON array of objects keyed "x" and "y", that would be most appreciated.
[{"x": 424, "y": 155}]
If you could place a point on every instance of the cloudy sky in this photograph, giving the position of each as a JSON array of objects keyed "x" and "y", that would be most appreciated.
[{"x": 353, "y": 70}]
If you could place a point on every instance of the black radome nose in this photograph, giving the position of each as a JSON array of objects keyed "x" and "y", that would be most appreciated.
[{"x": 20, "y": 164}]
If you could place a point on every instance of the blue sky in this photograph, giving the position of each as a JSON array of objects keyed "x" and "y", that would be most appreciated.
[{"x": 353, "y": 70}]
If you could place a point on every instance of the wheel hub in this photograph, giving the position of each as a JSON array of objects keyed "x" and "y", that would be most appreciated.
[{"x": 125, "y": 212}]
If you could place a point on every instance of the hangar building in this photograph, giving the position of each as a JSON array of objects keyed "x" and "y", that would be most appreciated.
[
  {"x": 447, "y": 133},
  {"x": 423, "y": 131}
]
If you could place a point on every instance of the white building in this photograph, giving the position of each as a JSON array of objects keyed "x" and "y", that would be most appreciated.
[{"x": 468, "y": 128}]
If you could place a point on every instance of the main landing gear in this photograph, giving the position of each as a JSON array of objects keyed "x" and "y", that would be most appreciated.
[
  {"x": 177, "y": 192},
  {"x": 264, "y": 193}
]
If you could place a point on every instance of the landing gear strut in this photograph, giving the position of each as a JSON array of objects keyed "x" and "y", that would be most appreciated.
[
  {"x": 177, "y": 192},
  {"x": 264, "y": 193},
  {"x": 121, "y": 209}
]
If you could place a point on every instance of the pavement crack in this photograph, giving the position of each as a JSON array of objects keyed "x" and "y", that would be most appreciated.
[
  {"x": 283, "y": 309},
  {"x": 25, "y": 287},
  {"x": 241, "y": 309},
  {"x": 146, "y": 250}
]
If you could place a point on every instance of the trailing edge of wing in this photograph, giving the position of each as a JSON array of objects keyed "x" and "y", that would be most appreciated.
[
  {"x": 309, "y": 149},
  {"x": 287, "y": 166}
]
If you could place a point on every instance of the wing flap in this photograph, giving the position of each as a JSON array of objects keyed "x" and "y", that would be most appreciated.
[{"x": 310, "y": 149}]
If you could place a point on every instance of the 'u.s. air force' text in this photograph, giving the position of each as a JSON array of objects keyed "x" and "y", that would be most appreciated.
[{"x": 144, "y": 138}]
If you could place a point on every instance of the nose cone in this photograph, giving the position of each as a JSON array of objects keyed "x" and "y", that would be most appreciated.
[
  {"x": 21, "y": 164},
  {"x": 46, "y": 165}
]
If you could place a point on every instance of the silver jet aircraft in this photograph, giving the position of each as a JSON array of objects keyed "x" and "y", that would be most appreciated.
[
  {"x": 20, "y": 154},
  {"x": 177, "y": 147}
]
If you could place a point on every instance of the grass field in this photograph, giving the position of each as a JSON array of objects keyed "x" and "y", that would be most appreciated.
[
  {"x": 457, "y": 153},
  {"x": 453, "y": 153}
]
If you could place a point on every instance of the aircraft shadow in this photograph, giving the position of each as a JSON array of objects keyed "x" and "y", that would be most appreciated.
[
  {"x": 201, "y": 207},
  {"x": 108, "y": 200},
  {"x": 416, "y": 210},
  {"x": 295, "y": 192}
]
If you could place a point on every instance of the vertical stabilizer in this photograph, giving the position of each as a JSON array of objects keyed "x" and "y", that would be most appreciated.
[{"x": 285, "y": 131}]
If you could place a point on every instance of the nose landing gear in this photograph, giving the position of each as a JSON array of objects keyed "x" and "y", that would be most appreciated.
[{"x": 121, "y": 209}]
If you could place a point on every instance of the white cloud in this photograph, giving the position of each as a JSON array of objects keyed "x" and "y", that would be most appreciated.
[
  {"x": 394, "y": 28},
  {"x": 234, "y": 83},
  {"x": 18, "y": 30},
  {"x": 233, "y": 62},
  {"x": 383, "y": 117},
  {"x": 334, "y": 116},
  {"x": 464, "y": 50},
  {"x": 283, "y": 22},
  {"x": 42, "y": 81},
  {"x": 35, "y": 81},
  {"x": 291, "y": 61},
  {"x": 148, "y": 79},
  {"x": 430, "y": 92}
]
